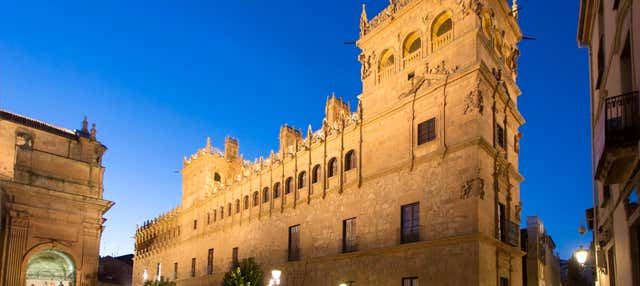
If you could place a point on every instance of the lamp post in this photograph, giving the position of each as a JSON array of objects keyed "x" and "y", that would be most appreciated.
[
  {"x": 275, "y": 277},
  {"x": 581, "y": 255}
]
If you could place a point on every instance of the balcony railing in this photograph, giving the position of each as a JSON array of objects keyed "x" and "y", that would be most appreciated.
[
  {"x": 385, "y": 73},
  {"x": 622, "y": 119},
  {"x": 441, "y": 41},
  {"x": 618, "y": 126},
  {"x": 411, "y": 58}
]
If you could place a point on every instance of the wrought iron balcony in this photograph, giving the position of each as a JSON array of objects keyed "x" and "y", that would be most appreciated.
[{"x": 618, "y": 128}]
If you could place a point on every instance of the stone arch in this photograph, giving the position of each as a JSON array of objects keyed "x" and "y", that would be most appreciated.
[
  {"x": 52, "y": 250},
  {"x": 386, "y": 61},
  {"x": 442, "y": 29},
  {"x": 412, "y": 43}
]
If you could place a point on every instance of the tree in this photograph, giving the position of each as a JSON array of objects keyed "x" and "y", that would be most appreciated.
[
  {"x": 575, "y": 274},
  {"x": 162, "y": 282},
  {"x": 247, "y": 273}
]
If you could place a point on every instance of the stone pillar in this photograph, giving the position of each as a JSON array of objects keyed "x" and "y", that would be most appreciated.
[{"x": 18, "y": 226}]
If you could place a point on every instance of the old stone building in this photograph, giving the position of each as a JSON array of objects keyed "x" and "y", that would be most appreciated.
[
  {"x": 51, "y": 203},
  {"x": 607, "y": 29},
  {"x": 540, "y": 265},
  {"x": 418, "y": 183}
]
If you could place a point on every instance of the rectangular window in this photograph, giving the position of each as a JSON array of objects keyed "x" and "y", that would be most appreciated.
[
  {"x": 208, "y": 218},
  {"x": 234, "y": 256},
  {"x": 410, "y": 221},
  {"x": 175, "y": 270},
  {"x": 626, "y": 67},
  {"x": 410, "y": 281},
  {"x": 349, "y": 235},
  {"x": 195, "y": 224},
  {"x": 427, "y": 131},
  {"x": 500, "y": 136},
  {"x": 294, "y": 243},
  {"x": 504, "y": 281},
  {"x": 611, "y": 259},
  {"x": 193, "y": 267},
  {"x": 210, "y": 261},
  {"x": 502, "y": 231},
  {"x": 606, "y": 194}
]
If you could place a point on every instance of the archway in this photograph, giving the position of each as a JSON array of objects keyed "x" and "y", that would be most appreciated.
[{"x": 50, "y": 268}]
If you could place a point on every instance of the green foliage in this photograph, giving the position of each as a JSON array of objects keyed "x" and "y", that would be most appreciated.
[
  {"x": 247, "y": 273},
  {"x": 162, "y": 282}
]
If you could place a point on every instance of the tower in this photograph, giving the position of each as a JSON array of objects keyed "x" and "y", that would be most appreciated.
[{"x": 440, "y": 78}]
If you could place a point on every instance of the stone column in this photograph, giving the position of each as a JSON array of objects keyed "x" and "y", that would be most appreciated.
[{"x": 18, "y": 226}]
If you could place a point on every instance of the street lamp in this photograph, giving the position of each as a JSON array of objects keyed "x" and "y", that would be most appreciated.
[
  {"x": 275, "y": 277},
  {"x": 581, "y": 255}
]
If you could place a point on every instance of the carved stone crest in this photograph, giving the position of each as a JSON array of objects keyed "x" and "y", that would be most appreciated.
[
  {"x": 24, "y": 140},
  {"x": 470, "y": 6},
  {"x": 472, "y": 188},
  {"x": 474, "y": 100}
]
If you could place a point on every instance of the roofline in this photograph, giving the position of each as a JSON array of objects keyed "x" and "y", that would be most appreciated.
[
  {"x": 37, "y": 124},
  {"x": 585, "y": 22}
]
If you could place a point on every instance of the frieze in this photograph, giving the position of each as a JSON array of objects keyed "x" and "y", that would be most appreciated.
[{"x": 474, "y": 100}]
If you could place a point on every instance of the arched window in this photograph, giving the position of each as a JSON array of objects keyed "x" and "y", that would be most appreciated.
[
  {"x": 276, "y": 190},
  {"x": 332, "y": 167},
  {"x": 221, "y": 212},
  {"x": 256, "y": 198},
  {"x": 288, "y": 186},
  {"x": 265, "y": 195},
  {"x": 386, "y": 65},
  {"x": 302, "y": 179},
  {"x": 215, "y": 215},
  {"x": 229, "y": 209},
  {"x": 441, "y": 30},
  {"x": 246, "y": 202},
  {"x": 350, "y": 160},
  {"x": 315, "y": 174},
  {"x": 411, "y": 49},
  {"x": 216, "y": 177},
  {"x": 237, "y": 205}
]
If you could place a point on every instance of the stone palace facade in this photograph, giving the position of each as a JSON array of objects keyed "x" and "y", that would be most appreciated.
[
  {"x": 51, "y": 203},
  {"x": 419, "y": 184}
]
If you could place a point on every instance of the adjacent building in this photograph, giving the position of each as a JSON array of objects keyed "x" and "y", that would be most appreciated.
[
  {"x": 417, "y": 183},
  {"x": 51, "y": 203},
  {"x": 115, "y": 271},
  {"x": 610, "y": 30},
  {"x": 540, "y": 265}
]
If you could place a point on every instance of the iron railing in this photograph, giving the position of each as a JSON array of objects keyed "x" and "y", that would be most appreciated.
[{"x": 622, "y": 125}]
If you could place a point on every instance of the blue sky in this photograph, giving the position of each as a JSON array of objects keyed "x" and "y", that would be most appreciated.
[{"x": 158, "y": 77}]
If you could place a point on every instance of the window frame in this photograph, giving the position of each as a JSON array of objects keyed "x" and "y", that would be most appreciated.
[{"x": 426, "y": 131}]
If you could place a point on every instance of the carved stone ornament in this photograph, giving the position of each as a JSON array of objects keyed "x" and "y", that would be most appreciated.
[
  {"x": 473, "y": 188},
  {"x": 474, "y": 100},
  {"x": 367, "y": 63},
  {"x": 439, "y": 69},
  {"x": 470, "y": 6},
  {"x": 518, "y": 210},
  {"x": 24, "y": 140}
]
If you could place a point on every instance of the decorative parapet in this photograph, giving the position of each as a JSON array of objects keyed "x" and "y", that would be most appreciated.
[
  {"x": 158, "y": 232},
  {"x": 385, "y": 16}
]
